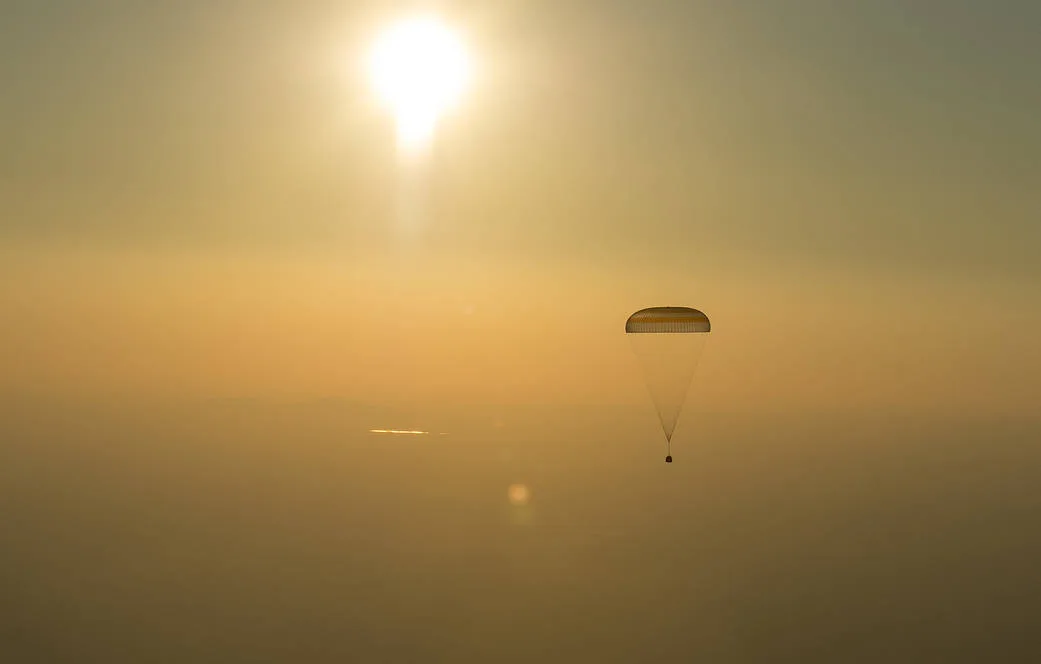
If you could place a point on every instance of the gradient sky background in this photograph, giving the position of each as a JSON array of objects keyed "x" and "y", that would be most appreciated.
[{"x": 206, "y": 301}]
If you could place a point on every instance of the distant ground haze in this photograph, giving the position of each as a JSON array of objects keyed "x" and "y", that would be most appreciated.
[{"x": 249, "y": 531}]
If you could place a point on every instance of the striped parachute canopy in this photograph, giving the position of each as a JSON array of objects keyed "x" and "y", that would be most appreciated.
[
  {"x": 672, "y": 320},
  {"x": 668, "y": 342}
]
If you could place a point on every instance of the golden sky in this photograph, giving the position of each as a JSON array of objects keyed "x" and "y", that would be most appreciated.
[{"x": 204, "y": 200}]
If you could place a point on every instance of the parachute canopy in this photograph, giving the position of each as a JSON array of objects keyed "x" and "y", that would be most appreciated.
[
  {"x": 668, "y": 342},
  {"x": 677, "y": 320}
]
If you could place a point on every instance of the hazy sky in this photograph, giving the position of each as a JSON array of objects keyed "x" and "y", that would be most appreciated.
[
  {"x": 201, "y": 200},
  {"x": 853, "y": 179}
]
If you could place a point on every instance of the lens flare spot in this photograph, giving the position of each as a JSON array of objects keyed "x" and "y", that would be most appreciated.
[{"x": 518, "y": 494}]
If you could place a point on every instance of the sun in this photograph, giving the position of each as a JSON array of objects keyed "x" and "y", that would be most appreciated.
[{"x": 419, "y": 69}]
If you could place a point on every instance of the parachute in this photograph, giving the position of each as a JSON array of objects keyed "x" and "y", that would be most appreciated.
[{"x": 668, "y": 342}]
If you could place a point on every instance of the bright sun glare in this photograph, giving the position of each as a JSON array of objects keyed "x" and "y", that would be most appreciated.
[{"x": 419, "y": 69}]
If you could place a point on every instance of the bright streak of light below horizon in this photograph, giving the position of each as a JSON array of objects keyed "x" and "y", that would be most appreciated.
[{"x": 402, "y": 432}]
